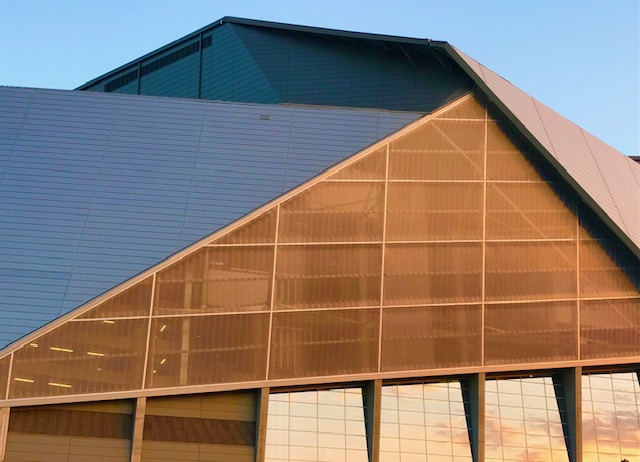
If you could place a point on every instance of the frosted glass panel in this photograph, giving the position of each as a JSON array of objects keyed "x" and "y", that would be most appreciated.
[
  {"x": 334, "y": 212},
  {"x": 504, "y": 160},
  {"x": 530, "y": 332},
  {"x": 135, "y": 301},
  {"x": 609, "y": 328},
  {"x": 416, "y": 338},
  {"x": 531, "y": 270},
  {"x": 434, "y": 211},
  {"x": 468, "y": 109},
  {"x": 527, "y": 211},
  {"x": 217, "y": 279},
  {"x": 432, "y": 273},
  {"x": 611, "y": 417},
  {"x": 321, "y": 276},
  {"x": 439, "y": 150},
  {"x": 81, "y": 357},
  {"x": 599, "y": 275},
  {"x": 371, "y": 167},
  {"x": 261, "y": 229},
  {"x": 329, "y": 342},
  {"x": 207, "y": 349},
  {"x": 424, "y": 422}
]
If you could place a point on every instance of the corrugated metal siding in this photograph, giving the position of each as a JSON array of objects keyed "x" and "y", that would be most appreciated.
[
  {"x": 313, "y": 70},
  {"x": 603, "y": 172},
  {"x": 97, "y": 187},
  {"x": 229, "y": 72}
]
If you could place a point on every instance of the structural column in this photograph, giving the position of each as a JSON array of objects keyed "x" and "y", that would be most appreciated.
[
  {"x": 138, "y": 429},
  {"x": 474, "y": 402},
  {"x": 373, "y": 407},
  {"x": 572, "y": 387},
  {"x": 262, "y": 412}
]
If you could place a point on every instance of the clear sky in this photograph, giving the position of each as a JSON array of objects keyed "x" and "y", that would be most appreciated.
[{"x": 581, "y": 57}]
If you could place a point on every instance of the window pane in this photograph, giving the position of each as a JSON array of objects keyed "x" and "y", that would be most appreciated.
[
  {"x": 207, "y": 349},
  {"x": 81, "y": 357},
  {"x": 527, "y": 211},
  {"x": 318, "y": 343},
  {"x": 327, "y": 276},
  {"x": 425, "y": 422},
  {"x": 261, "y": 229},
  {"x": 531, "y": 270},
  {"x": 416, "y": 338},
  {"x": 217, "y": 279},
  {"x": 468, "y": 109},
  {"x": 505, "y": 161},
  {"x": 609, "y": 328},
  {"x": 323, "y": 425},
  {"x": 530, "y": 332},
  {"x": 434, "y": 211},
  {"x": 611, "y": 417},
  {"x": 520, "y": 427},
  {"x": 371, "y": 167},
  {"x": 432, "y": 273},
  {"x": 135, "y": 301},
  {"x": 439, "y": 150},
  {"x": 334, "y": 212}
]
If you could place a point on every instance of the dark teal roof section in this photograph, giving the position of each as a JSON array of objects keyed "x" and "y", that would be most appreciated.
[
  {"x": 95, "y": 188},
  {"x": 262, "y": 62}
]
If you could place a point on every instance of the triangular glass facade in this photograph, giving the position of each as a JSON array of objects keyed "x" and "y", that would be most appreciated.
[{"x": 443, "y": 246}]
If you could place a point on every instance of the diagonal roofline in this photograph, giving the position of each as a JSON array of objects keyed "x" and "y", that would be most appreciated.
[
  {"x": 452, "y": 52},
  {"x": 268, "y": 25}
]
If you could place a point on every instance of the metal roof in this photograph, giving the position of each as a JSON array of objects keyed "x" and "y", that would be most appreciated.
[
  {"x": 95, "y": 187},
  {"x": 607, "y": 179}
]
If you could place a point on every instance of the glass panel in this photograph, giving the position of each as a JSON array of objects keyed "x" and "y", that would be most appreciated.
[
  {"x": 371, "y": 167},
  {"x": 609, "y": 328},
  {"x": 439, "y": 150},
  {"x": 530, "y": 270},
  {"x": 217, "y": 279},
  {"x": 319, "y": 343},
  {"x": 530, "y": 332},
  {"x": 527, "y": 211},
  {"x": 327, "y": 276},
  {"x": 523, "y": 421},
  {"x": 599, "y": 275},
  {"x": 81, "y": 357},
  {"x": 135, "y": 301},
  {"x": 424, "y": 422},
  {"x": 207, "y": 349},
  {"x": 505, "y": 160},
  {"x": 432, "y": 273},
  {"x": 259, "y": 230},
  {"x": 468, "y": 109},
  {"x": 4, "y": 375},
  {"x": 416, "y": 338},
  {"x": 334, "y": 212},
  {"x": 611, "y": 417},
  {"x": 434, "y": 211},
  {"x": 324, "y": 426}
]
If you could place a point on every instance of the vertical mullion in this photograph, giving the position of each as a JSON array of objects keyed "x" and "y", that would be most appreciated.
[
  {"x": 484, "y": 234},
  {"x": 273, "y": 290},
  {"x": 147, "y": 346},
  {"x": 9, "y": 376},
  {"x": 579, "y": 352},
  {"x": 262, "y": 415},
  {"x": 4, "y": 430},
  {"x": 138, "y": 429},
  {"x": 373, "y": 408},
  {"x": 384, "y": 246}
]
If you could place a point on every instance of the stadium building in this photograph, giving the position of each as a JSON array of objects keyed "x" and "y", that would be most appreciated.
[{"x": 283, "y": 243}]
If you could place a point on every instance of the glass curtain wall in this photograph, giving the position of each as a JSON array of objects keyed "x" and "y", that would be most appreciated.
[{"x": 443, "y": 247}]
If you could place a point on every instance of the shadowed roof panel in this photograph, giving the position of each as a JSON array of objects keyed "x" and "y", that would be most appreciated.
[{"x": 97, "y": 187}]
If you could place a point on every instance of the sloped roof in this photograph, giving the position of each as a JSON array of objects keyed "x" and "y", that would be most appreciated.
[
  {"x": 608, "y": 177},
  {"x": 96, "y": 187}
]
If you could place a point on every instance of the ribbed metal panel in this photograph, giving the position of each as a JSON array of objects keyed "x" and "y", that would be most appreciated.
[
  {"x": 604, "y": 173},
  {"x": 97, "y": 187}
]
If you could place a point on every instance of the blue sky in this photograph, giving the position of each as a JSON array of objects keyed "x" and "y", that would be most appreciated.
[{"x": 581, "y": 57}]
